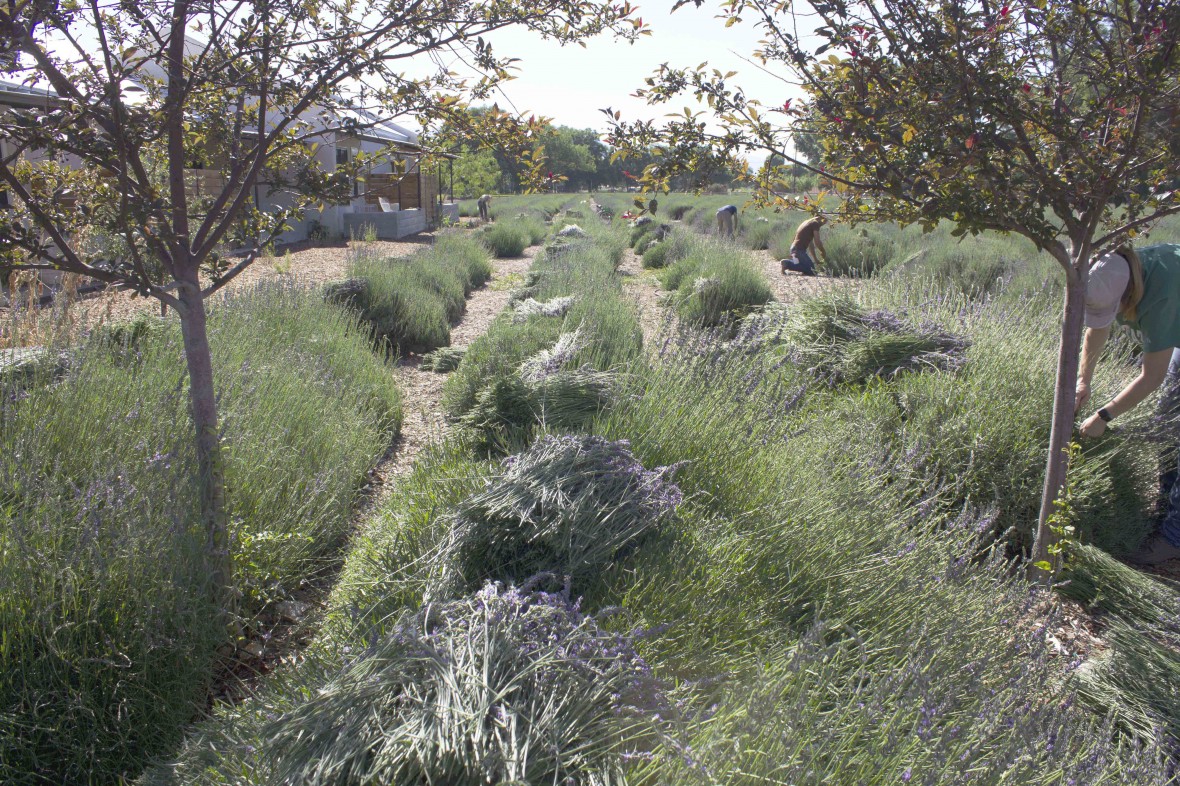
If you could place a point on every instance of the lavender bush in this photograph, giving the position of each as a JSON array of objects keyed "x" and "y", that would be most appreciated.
[
  {"x": 714, "y": 283},
  {"x": 410, "y": 303},
  {"x": 509, "y": 685},
  {"x": 108, "y": 636},
  {"x": 568, "y": 505}
]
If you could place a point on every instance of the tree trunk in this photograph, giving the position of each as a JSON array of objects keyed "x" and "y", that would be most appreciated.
[
  {"x": 1068, "y": 360},
  {"x": 203, "y": 404}
]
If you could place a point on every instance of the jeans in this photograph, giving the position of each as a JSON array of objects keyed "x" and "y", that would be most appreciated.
[
  {"x": 1169, "y": 487},
  {"x": 804, "y": 265}
]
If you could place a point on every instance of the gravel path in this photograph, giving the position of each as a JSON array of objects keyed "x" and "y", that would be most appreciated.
[
  {"x": 422, "y": 390},
  {"x": 792, "y": 287},
  {"x": 303, "y": 263}
]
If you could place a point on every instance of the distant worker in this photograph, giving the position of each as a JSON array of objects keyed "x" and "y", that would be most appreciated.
[
  {"x": 727, "y": 220},
  {"x": 483, "y": 203},
  {"x": 805, "y": 237}
]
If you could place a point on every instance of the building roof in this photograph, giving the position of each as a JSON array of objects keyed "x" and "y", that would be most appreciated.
[
  {"x": 376, "y": 129},
  {"x": 19, "y": 94}
]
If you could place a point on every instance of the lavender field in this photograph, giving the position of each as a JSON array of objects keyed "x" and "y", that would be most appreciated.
[{"x": 780, "y": 548}]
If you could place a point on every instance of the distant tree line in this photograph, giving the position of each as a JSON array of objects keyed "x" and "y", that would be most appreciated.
[{"x": 575, "y": 159}]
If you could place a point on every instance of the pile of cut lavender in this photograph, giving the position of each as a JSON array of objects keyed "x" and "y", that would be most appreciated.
[
  {"x": 557, "y": 307},
  {"x": 504, "y": 686},
  {"x": 568, "y": 505},
  {"x": 545, "y": 390},
  {"x": 840, "y": 341},
  {"x": 443, "y": 360}
]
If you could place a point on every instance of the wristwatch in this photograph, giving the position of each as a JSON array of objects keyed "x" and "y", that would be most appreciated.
[{"x": 1106, "y": 416}]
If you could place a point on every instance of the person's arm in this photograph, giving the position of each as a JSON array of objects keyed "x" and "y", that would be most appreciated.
[
  {"x": 1151, "y": 376},
  {"x": 816, "y": 242},
  {"x": 1092, "y": 344}
]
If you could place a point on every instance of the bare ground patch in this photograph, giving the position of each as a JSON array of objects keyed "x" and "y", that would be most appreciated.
[{"x": 792, "y": 287}]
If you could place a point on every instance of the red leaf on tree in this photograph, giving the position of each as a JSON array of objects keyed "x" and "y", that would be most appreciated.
[
  {"x": 1026, "y": 87},
  {"x": 1004, "y": 11}
]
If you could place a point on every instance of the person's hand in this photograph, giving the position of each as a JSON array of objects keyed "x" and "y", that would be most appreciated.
[
  {"x": 1093, "y": 426},
  {"x": 1083, "y": 395}
]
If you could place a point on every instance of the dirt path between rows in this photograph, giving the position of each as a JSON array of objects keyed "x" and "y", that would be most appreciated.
[
  {"x": 644, "y": 288},
  {"x": 422, "y": 390}
]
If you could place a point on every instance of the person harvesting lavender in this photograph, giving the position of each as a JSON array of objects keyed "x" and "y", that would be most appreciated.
[
  {"x": 1142, "y": 289},
  {"x": 805, "y": 237},
  {"x": 727, "y": 220}
]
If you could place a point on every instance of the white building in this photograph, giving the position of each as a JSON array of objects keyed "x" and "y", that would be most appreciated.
[{"x": 395, "y": 197}]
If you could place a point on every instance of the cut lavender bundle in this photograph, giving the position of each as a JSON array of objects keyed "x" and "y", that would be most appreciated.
[
  {"x": 568, "y": 505},
  {"x": 840, "y": 341},
  {"x": 548, "y": 362},
  {"x": 543, "y": 391},
  {"x": 506, "y": 411},
  {"x": 557, "y": 307},
  {"x": 443, "y": 360},
  {"x": 509, "y": 685}
]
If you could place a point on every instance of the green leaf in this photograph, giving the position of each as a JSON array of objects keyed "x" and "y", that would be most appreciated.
[{"x": 1043, "y": 565}]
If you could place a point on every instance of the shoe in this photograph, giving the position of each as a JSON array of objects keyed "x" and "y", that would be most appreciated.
[{"x": 1156, "y": 550}]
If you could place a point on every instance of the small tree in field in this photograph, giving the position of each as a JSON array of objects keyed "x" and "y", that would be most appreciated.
[
  {"x": 145, "y": 91},
  {"x": 1055, "y": 120}
]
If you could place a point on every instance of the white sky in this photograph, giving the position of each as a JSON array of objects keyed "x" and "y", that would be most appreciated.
[{"x": 571, "y": 84}]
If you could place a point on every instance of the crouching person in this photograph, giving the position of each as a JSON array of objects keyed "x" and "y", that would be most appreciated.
[{"x": 805, "y": 237}]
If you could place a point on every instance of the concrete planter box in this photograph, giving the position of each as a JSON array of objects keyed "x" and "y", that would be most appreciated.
[{"x": 389, "y": 226}]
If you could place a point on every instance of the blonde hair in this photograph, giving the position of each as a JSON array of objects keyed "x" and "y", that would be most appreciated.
[{"x": 1128, "y": 306}]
